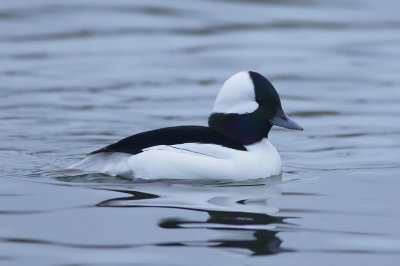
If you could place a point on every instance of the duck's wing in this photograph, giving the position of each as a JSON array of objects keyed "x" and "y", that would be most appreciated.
[
  {"x": 178, "y": 137},
  {"x": 197, "y": 149}
]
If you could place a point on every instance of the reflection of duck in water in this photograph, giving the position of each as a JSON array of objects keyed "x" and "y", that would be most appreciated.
[
  {"x": 246, "y": 228},
  {"x": 233, "y": 146},
  {"x": 259, "y": 241}
]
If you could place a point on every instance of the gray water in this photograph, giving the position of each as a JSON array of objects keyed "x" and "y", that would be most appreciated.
[{"x": 78, "y": 75}]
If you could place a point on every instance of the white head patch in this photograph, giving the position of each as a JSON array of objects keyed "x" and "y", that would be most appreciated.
[{"x": 236, "y": 95}]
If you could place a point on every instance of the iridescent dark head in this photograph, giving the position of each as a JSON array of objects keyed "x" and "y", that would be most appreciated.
[{"x": 247, "y": 107}]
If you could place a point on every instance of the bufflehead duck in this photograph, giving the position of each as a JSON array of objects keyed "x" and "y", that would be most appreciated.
[{"x": 234, "y": 145}]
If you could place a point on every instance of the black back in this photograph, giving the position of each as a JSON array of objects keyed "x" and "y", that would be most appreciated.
[{"x": 170, "y": 136}]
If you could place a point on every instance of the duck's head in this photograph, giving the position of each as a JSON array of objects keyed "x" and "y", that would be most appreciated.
[{"x": 247, "y": 107}]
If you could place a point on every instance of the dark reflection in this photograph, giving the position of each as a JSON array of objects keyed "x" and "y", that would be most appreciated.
[
  {"x": 258, "y": 241},
  {"x": 136, "y": 195},
  {"x": 243, "y": 230}
]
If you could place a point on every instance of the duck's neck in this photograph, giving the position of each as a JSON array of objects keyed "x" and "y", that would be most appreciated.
[{"x": 245, "y": 129}]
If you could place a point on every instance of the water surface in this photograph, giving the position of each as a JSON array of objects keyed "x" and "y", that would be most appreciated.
[{"x": 78, "y": 75}]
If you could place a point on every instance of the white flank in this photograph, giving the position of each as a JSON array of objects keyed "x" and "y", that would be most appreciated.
[{"x": 189, "y": 161}]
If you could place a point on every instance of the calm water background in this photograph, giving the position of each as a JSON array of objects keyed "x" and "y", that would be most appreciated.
[{"x": 78, "y": 75}]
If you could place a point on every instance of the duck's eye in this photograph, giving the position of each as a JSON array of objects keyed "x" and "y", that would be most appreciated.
[{"x": 259, "y": 100}]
